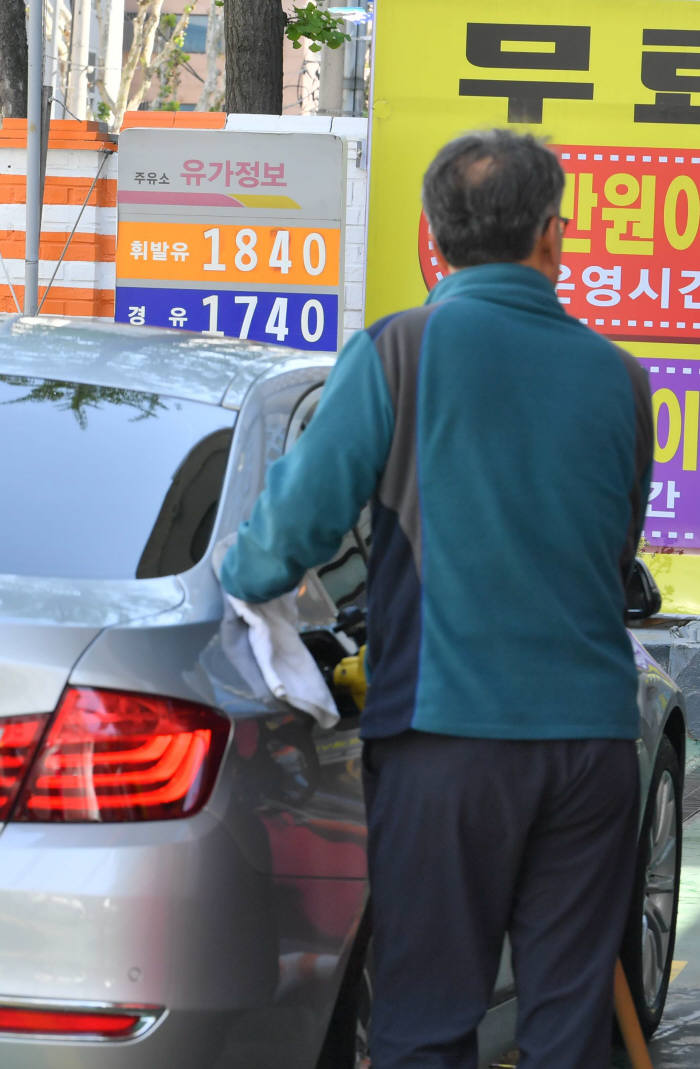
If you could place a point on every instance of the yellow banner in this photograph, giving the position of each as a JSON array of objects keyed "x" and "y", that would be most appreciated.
[{"x": 615, "y": 87}]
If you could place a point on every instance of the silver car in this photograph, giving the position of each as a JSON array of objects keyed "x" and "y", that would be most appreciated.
[{"x": 182, "y": 858}]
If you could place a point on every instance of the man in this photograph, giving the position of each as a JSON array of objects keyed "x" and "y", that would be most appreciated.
[{"x": 507, "y": 450}]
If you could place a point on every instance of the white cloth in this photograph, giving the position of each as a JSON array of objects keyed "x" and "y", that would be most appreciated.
[{"x": 286, "y": 665}]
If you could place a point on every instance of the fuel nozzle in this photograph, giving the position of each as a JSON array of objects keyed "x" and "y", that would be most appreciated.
[{"x": 350, "y": 675}]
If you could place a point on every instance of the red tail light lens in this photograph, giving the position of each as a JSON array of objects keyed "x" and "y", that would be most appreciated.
[
  {"x": 70, "y": 1022},
  {"x": 112, "y": 756},
  {"x": 88, "y": 1021},
  {"x": 19, "y": 739}
]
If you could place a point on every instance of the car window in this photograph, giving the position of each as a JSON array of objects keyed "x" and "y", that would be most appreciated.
[
  {"x": 99, "y": 482},
  {"x": 344, "y": 578}
]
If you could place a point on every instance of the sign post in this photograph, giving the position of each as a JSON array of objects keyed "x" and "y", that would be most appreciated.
[
  {"x": 232, "y": 234},
  {"x": 615, "y": 88}
]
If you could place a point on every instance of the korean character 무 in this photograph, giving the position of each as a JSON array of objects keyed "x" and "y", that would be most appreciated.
[
  {"x": 159, "y": 250},
  {"x": 193, "y": 171},
  {"x": 562, "y": 284},
  {"x": 248, "y": 174},
  {"x": 494, "y": 45},
  {"x": 604, "y": 285},
  {"x": 178, "y": 316},
  {"x": 180, "y": 251},
  {"x": 152, "y": 177},
  {"x": 137, "y": 314},
  {"x": 622, "y": 191},
  {"x": 139, "y": 250},
  {"x": 668, "y": 500},
  {"x": 644, "y": 287},
  {"x": 578, "y": 202},
  {"x": 668, "y": 75},
  {"x": 140, "y": 177},
  {"x": 688, "y": 301},
  {"x": 273, "y": 174}
]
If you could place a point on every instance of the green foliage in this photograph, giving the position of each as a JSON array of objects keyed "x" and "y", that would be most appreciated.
[
  {"x": 103, "y": 112},
  {"x": 317, "y": 26},
  {"x": 77, "y": 399},
  {"x": 169, "y": 74},
  {"x": 311, "y": 22}
]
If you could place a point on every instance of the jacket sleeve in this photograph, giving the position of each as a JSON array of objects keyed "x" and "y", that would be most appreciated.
[{"x": 315, "y": 493}]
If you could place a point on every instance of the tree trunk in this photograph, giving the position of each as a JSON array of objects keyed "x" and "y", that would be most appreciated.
[
  {"x": 254, "y": 32},
  {"x": 13, "y": 59}
]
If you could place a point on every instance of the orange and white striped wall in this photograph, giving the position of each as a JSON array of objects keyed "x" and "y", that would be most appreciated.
[
  {"x": 82, "y": 159},
  {"x": 84, "y": 282},
  {"x": 78, "y": 153}
]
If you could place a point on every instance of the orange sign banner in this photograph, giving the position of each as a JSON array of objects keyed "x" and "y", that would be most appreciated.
[{"x": 258, "y": 255}]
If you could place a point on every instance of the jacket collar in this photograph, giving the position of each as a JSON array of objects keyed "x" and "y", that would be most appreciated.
[{"x": 503, "y": 284}]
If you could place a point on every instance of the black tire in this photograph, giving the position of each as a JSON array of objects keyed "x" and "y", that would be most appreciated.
[{"x": 647, "y": 949}]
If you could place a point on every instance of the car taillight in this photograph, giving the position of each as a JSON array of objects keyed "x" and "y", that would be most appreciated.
[
  {"x": 84, "y": 1022},
  {"x": 19, "y": 739},
  {"x": 112, "y": 756}
]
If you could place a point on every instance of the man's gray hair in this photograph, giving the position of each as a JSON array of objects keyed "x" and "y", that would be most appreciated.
[{"x": 488, "y": 194}]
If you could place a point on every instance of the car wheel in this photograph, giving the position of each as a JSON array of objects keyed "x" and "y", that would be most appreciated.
[{"x": 647, "y": 950}]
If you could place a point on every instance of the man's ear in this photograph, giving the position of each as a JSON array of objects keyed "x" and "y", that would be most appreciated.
[
  {"x": 551, "y": 240},
  {"x": 546, "y": 253}
]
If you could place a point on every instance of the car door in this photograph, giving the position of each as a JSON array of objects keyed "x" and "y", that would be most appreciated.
[
  {"x": 299, "y": 805},
  {"x": 319, "y": 832}
]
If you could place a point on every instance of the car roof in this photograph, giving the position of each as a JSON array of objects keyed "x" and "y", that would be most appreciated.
[{"x": 171, "y": 362}]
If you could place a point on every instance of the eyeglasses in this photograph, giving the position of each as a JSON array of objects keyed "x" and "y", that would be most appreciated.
[{"x": 563, "y": 223}]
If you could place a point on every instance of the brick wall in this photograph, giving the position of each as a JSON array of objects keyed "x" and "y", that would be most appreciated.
[{"x": 77, "y": 152}]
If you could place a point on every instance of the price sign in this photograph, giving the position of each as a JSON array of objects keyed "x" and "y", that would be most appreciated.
[
  {"x": 234, "y": 234},
  {"x": 274, "y": 316},
  {"x": 268, "y": 255}
]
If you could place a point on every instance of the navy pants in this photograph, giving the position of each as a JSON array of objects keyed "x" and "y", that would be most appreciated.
[{"x": 472, "y": 838}]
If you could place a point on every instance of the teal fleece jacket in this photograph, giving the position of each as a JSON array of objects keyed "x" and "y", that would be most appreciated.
[{"x": 507, "y": 450}]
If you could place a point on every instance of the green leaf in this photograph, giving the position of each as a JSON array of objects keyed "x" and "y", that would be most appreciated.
[{"x": 318, "y": 26}]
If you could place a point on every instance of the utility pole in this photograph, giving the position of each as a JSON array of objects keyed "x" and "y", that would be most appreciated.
[
  {"x": 342, "y": 75},
  {"x": 113, "y": 52},
  {"x": 79, "y": 56},
  {"x": 331, "y": 77},
  {"x": 355, "y": 52},
  {"x": 54, "y": 72},
  {"x": 35, "y": 81}
]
